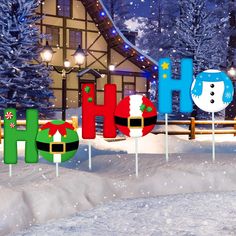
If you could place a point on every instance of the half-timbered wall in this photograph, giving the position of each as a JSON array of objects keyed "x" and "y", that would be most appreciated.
[{"x": 127, "y": 76}]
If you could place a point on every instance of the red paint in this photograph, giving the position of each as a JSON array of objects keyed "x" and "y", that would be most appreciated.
[
  {"x": 90, "y": 110},
  {"x": 123, "y": 111}
]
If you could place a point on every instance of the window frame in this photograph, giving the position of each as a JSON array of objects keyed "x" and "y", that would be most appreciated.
[
  {"x": 128, "y": 83},
  {"x": 58, "y": 35},
  {"x": 81, "y": 38},
  {"x": 70, "y": 12}
]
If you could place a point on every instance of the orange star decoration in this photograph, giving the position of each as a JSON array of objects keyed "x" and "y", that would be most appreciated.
[
  {"x": 165, "y": 66},
  {"x": 165, "y": 76}
]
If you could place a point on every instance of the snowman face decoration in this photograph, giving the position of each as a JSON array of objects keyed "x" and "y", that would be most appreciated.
[{"x": 212, "y": 91}]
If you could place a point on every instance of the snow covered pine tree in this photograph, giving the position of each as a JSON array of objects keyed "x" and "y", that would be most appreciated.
[
  {"x": 201, "y": 36},
  {"x": 159, "y": 30},
  {"x": 24, "y": 83},
  {"x": 119, "y": 11}
]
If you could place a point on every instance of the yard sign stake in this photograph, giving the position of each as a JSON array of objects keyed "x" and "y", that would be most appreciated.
[
  {"x": 213, "y": 137},
  {"x": 166, "y": 137},
  {"x": 57, "y": 169},
  {"x": 136, "y": 157},
  {"x": 90, "y": 155},
  {"x": 10, "y": 170}
]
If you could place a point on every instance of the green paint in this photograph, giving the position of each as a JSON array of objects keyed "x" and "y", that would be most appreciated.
[
  {"x": 71, "y": 136},
  {"x": 87, "y": 89},
  {"x": 12, "y": 136},
  {"x": 90, "y": 99},
  {"x": 142, "y": 107},
  {"x": 149, "y": 109}
]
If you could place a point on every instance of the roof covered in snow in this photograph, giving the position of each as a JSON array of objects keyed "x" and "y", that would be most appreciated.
[{"x": 117, "y": 40}]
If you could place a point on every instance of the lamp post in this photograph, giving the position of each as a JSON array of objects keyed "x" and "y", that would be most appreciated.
[
  {"x": 232, "y": 72},
  {"x": 79, "y": 57}
]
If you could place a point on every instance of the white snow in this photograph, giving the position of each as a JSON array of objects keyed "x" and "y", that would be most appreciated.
[
  {"x": 177, "y": 144},
  {"x": 34, "y": 195},
  {"x": 190, "y": 214},
  {"x": 136, "y": 24}
]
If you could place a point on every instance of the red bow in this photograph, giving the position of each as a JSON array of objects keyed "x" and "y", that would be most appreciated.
[{"x": 54, "y": 128}]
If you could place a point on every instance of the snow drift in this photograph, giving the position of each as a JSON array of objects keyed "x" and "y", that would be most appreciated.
[{"x": 34, "y": 195}]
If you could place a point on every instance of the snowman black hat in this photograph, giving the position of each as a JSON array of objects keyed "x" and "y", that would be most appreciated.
[{"x": 214, "y": 76}]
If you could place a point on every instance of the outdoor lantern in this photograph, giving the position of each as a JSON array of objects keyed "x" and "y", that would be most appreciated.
[
  {"x": 112, "y": 67},
  {"x": 67, "y": 63},
  {"x": 47, "y": 53},
  {"x": 79, "y": 56},
  {"x": 232, "y": 72}
]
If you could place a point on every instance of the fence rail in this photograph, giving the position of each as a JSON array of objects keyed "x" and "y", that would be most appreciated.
[{"x": 193, "y": 131}]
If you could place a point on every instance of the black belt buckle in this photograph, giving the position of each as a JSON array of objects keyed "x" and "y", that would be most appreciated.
[
  {"x": 57, "y": 148},
  {"x": 135, "y": 122}
]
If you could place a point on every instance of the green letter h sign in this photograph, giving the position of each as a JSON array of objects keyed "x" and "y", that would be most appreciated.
[{"x": 12, "y": 136}]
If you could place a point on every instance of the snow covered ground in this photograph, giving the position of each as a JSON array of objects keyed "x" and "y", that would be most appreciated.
[
  {"x": 190, "y": 214},
  {"x": 35, "y": 196}
]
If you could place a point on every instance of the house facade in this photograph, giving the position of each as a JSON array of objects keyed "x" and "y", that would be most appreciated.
[{"x": 70, "y": 23}]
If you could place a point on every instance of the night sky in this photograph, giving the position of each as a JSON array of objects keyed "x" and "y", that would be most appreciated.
[{"x": 144, "y": 7}]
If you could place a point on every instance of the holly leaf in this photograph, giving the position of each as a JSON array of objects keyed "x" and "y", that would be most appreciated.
[
  {"x": 87, "y": 89},
  {"x": 142, "y": 107},
  {"x": 90, "y": 99},
  {"x": 149, "y": 109}
]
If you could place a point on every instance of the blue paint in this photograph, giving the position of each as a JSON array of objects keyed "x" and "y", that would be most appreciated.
[
  {"x": 214, "y": 77},
  {"x": 167, "y": 85}
]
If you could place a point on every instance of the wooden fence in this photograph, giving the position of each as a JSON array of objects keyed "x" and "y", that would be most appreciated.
[{"x": 192, "y": 131}]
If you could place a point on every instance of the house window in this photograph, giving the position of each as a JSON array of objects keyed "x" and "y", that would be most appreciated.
[
  {"x": 129, "y": 89},
  {"x": 64, "y": 8},
  {"x": 75, "y": 38},
  {"x": 54, "y": 35}
]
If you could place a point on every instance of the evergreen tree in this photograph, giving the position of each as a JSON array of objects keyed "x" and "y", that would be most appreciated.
[
  {"x": 201, "y": 36},
  {"x": 24, "y": 82},
  {"x": 119, "y": 11},
  {"x": 159, "y": 31}
]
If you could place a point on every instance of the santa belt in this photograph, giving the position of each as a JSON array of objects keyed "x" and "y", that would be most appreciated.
[
  {"x": 135, "y": 122},
  {"x": 57, "y": 147}
]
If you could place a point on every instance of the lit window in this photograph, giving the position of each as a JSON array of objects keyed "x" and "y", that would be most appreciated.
[
  {"x": 54, "y": 35},
  {"x": 64, "y": 8},
  {"x": 75, "y": 38}
]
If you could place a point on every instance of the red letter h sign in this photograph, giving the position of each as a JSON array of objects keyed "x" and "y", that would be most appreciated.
[{"x": 90, "y": 110}]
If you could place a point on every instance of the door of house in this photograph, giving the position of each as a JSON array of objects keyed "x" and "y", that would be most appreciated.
[{"x": 81, "y": 83}]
